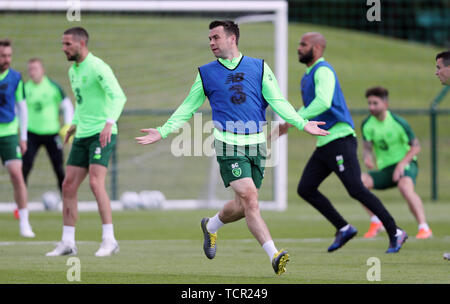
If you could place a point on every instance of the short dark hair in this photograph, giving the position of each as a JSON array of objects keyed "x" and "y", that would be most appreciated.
[
  {"x": 378, "y": 91},
  {"x": 78, "y": 32},
  {"x": 445, "y": 57},
  {"x": 230, "y": 27},
  {"x": 5, "y": 42}
]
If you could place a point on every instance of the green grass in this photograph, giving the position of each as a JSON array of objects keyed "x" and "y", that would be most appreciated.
[
  {"x": 155, "y": 60},
  {"x": 166, "y": 247}
]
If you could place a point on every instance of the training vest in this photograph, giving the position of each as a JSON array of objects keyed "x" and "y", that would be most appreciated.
[
  {"x": 338, "y": 112},
  {"x": 235, "y": 95},
  {"x": 8, "y": 87}
]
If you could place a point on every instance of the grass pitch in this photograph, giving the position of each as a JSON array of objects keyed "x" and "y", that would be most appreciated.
[
  {"x": 165, "y": 247},
  {"x": 155, "y": 60}
]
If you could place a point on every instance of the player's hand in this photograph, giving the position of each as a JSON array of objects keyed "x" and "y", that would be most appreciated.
[
  {"x": 23, "y": 147},
  {"x": 63, "y": 132},
  {"x": 152, "y": 136},
  {"x": 398, "y": 172},
  {"x": 69, "y": 133},
  {"x": 105, "y": 135},
  {"x": 280, "y": 130},
  {"x": 312, "y": 127},
  {"x": 368, "y": 163}
]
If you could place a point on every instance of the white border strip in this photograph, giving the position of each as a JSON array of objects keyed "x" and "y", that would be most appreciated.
[{"x": 156, "y": 6}]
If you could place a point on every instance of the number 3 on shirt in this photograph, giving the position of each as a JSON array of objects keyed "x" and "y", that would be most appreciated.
[{"x": 78, "y": 96}]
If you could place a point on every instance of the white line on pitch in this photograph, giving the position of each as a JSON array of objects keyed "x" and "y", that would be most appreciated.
[{"x": 287, "y": 240}]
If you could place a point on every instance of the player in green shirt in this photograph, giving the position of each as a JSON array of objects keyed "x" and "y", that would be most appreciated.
[
  {"x": 44, "y": 100},
  {"x": 391, "y": 140},
  {"x": 443, "y": 73},
  {"x": 13, "y": 116},
  {"x": 443, "y": 67},
  {"x": 242, "y": 171},
  {"x": 99, "y": 103}
]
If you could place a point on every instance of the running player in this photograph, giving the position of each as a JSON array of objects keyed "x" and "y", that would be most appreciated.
[
  {"x": 324, "y": 100},
  {"x": 239, "y": 89}
]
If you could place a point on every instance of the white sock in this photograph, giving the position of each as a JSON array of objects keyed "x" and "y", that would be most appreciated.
[
  {"x": 68, "y": 235},
  {"x": 345, "y": 227},
  {"x": 424, "y": 226},
  {"x": 399, "y": 232},
  {"x": 270, "y": 249},
  {"x": 375, "y": 219},
  {"x": 23, "y": 217},
  {"x": 214, "y": 224},
  {"x": 108, "y": 232}
]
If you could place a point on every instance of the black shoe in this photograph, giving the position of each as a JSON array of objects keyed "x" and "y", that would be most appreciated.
[
  {"x": 342, "y": 237},
  {"x": 209, "y": 242},
  {"x": 395, "y": 247},
  {"x": 279, "y": 261}
]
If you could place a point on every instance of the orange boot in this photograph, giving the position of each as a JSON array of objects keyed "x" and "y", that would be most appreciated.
[
  {"x": 374, "y": 228},
  {"x": 424, "y": 234}
]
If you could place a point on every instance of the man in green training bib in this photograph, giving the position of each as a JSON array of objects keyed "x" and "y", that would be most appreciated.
[
  {"x": 99, "y": 103},
  {"x": 239, "y": 89},
  {"x": 44, "y": 100},
  {"x": 13, "y": 116},
  {"x": 395, "y": 147}
]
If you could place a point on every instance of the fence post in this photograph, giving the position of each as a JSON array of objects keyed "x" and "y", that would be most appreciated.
[{"x": 433, "y": 137}]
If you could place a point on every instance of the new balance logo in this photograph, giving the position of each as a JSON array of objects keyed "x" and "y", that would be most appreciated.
[
  {"x": 340, "y": 162},
  {"x": 233, "y": 78}
]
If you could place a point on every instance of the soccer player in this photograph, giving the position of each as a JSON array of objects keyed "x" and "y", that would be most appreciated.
[
  {"x": 44, "y": 100},
  {"x": 395, "y": 146},
  {"x": 324, "y": 100},
  {"x": 443, "y": 73},
  {"x": 443, "y": 67},
  {"x": 12, "y": 100},
  {"x": 239, "y": 88},
  {"x": 99, "y": 103}
]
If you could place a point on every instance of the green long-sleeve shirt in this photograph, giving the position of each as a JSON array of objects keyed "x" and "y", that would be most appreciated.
[
  {"x": 325, "y": 83},
  {"x": 270, "y": 90},
  {"x": 98, "y": 95}
]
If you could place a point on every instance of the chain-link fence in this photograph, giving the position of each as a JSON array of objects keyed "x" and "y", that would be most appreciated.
[{"x": 425, "y": 21}]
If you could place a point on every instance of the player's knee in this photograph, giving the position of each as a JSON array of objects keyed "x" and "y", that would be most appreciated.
[
  {"x": 405, "y": 185},
  {"x": 358, "y": 191},
  {"x": 95, "y": 184},
  {"x": 68, "y": 188},
  {"x": 16, "y": 178},
  {"x": 305, "y": 191},
  {"x": 249, "y": 198},
  {"x": 367, "y": 180},
  {"x": 251, "y": 207},
  {"x": 249, "y": 195}
]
